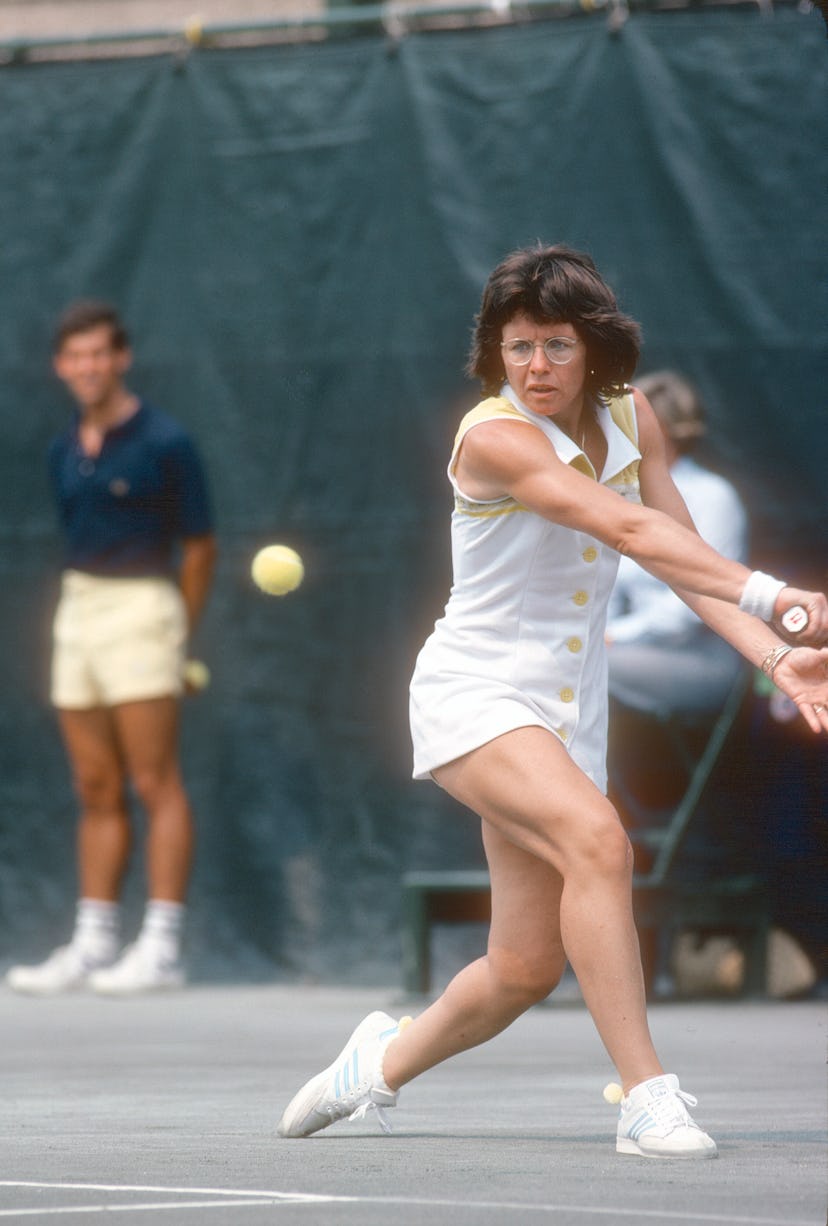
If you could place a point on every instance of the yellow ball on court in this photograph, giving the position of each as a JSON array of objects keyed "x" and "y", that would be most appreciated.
[{"x": 277, "y": 570}]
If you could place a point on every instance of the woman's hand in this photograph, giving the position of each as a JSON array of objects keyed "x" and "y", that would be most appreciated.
[
  {"x": 802, "y": 674},
  {"x": 815, "y": 604}
]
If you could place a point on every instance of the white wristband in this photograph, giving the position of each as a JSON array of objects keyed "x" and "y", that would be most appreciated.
[{"x": 759, "y": 595}]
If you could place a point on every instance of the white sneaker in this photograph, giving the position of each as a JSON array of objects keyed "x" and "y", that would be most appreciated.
[
  {"x": 654, "y": 1123},
  {"x": 141, "y": 968},
  {"x": 66, "y": 968},
  {"x": 351, "y": 1086}
]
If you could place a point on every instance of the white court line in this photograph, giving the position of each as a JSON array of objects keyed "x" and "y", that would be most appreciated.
[
  {"x": 243, "y": 1197},
  {"x": 142, "y": 1208},
  {"x": 171, "y": 1191}
]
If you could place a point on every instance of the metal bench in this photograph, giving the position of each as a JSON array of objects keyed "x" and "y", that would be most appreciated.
[{"x": 454, "y": 896}]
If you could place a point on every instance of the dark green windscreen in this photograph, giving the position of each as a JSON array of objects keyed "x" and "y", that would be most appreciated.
[{"x": 298, "y": 237}]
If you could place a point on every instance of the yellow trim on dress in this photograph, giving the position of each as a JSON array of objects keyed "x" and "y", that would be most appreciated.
[
  {"x": 506, "y": 507},
  {"x": 621, "y": 410},
  {"x": 487, "y": 410}
]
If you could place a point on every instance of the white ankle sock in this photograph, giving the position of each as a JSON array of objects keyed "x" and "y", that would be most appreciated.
[
  {"x": 162, "y": 927},
  {"x": 97, "y": 925}
]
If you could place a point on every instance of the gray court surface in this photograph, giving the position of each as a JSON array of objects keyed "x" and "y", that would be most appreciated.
[{"x": 163, "y": 1109}]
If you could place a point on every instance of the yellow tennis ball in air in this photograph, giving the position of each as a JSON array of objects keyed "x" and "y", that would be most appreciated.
[
  {"x": 613, "y": 1093},
  {"x": 277, "y": 569}
]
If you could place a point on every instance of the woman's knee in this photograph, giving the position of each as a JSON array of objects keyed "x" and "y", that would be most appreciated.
[
  {"x": 522, "y": 981},
  {"x": 603, "y": 846}
]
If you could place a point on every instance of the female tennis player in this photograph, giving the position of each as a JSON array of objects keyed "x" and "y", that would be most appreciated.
[{"x": 559, "y": 471}]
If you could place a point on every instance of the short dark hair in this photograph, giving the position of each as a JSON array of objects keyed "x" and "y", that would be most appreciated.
[
  {"x": 563, "y": 286},
  {"x": 83, "y": 316}
]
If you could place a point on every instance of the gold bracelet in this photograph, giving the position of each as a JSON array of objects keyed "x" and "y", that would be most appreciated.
[{"x": 773, "y": 657}]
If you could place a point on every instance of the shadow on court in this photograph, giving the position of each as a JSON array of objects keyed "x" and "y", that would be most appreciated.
[{"x": 164, "y": 1109}]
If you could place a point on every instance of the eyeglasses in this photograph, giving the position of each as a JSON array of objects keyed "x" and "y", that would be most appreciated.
[{"x": 558, "y": 349}]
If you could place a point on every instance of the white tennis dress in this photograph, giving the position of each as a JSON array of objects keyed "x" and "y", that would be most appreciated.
[{"x": 522, "y": 638}]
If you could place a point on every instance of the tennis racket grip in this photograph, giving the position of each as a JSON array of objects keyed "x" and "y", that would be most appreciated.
[{"x": 795, "y": 619}]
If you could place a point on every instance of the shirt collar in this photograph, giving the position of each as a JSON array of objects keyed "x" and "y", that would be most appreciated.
[
  {"x": 122, "y": 428},
  {"x": 566, "y": 447},
  {"x": 621, "y": 451}
]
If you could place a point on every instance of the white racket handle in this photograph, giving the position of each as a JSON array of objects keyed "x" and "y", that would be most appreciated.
[{"x": 795, "y": 619}]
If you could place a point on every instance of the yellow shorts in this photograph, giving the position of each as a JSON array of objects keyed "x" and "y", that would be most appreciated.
[{"x": 117, "y": 640}]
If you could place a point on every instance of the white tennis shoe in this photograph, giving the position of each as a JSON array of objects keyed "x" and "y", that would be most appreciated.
[
  {"x": 654, "y": 1122},
  {"x": 68, "y": 967},
  {"x": 141, "y": 968},
  {"x": 348, "y": 1088}
]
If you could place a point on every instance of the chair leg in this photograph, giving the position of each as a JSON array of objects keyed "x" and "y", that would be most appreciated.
[
  {"x": 649, "y": 944},
  {"x": 416, "y": 941},
  {"x": 756, "y": 960}
]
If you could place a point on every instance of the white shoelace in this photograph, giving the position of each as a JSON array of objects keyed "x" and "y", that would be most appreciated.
[
  {"x": 362, "y": 1111},
  {"x": 669, "y": 1112}
]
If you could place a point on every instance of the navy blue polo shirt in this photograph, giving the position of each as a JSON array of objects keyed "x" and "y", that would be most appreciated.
[{"x": 124, "y": 510}]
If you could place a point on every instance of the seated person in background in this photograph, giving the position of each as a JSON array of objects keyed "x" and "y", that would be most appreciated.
[
  {"x": 662, "y": 657},
  {"x": 664, "y": 661}
]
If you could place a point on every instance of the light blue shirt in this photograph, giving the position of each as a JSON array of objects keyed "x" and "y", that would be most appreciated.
[{"x": 643, "y": 609}]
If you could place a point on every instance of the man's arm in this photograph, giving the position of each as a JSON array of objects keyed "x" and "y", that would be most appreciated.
[{"x": 198, "y": 559}]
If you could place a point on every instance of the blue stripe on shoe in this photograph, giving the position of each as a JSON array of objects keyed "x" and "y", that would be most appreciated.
[
  {"x": 356, "y": 1067},
  {"x": 641, "y": 1124}
]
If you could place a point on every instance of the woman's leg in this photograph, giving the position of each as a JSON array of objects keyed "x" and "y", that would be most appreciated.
[
  {"x": 535, "y": 799},
  {"x": 561, "y": 870},
  {"x": 523, "y": 963}
]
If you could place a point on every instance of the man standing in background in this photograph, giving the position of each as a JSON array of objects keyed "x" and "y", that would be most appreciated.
[{"x": 140, "y": 553}]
